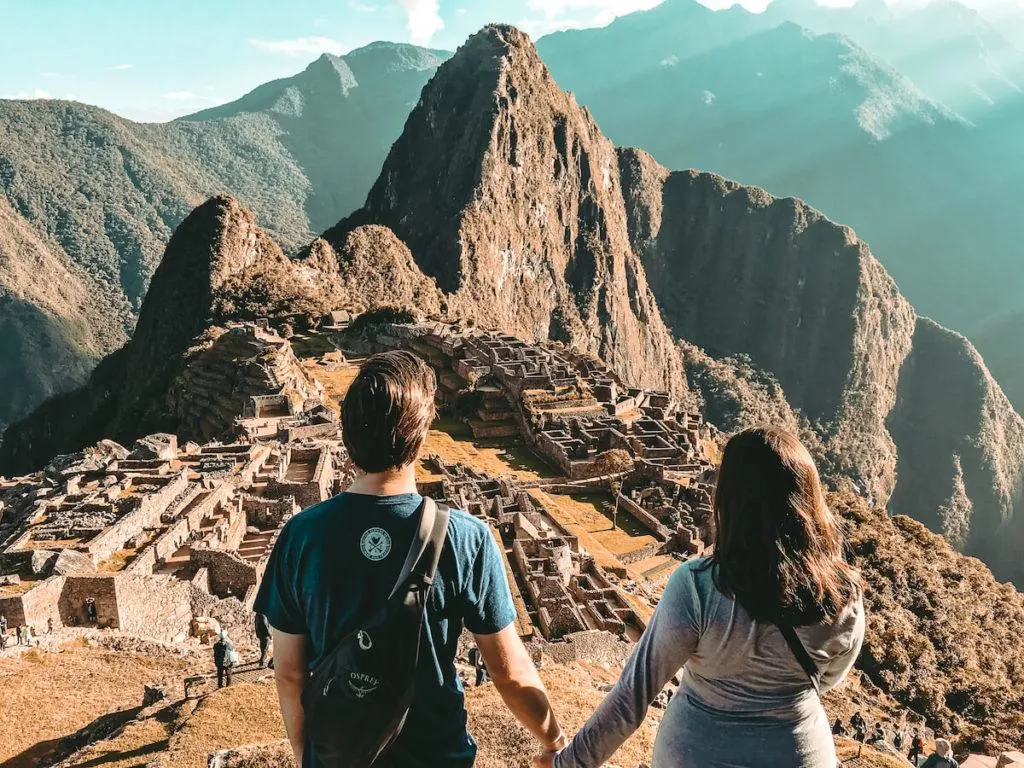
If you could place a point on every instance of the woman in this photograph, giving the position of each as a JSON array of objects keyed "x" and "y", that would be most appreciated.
[
  {"x": 942, "y": 757},
  {"x": 745, "y": 699}
]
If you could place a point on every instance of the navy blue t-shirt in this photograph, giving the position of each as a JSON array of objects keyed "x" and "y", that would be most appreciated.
[{"x": 336, "y": 563}]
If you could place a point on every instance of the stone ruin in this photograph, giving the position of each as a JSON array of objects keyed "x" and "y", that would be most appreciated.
[{"x": 147, "y": 539}]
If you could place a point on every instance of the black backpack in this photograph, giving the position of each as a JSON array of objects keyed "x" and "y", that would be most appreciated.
[{"x": 356, "y": 700}]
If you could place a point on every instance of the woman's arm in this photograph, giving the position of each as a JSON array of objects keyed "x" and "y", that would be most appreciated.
[{"x": 670, "y": 639}]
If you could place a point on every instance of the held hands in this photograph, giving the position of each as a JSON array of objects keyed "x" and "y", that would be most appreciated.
[{"x": 546, "y": 759}]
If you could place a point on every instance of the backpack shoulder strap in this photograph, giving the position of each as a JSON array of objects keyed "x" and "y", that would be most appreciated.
[
  {"x": 431, "y": 556},
  {"x": 802, "y": 656},
  {"x": 419, "y": 543}
]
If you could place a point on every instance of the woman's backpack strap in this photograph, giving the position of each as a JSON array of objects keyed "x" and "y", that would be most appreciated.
[{"x": 802, "y": 656}]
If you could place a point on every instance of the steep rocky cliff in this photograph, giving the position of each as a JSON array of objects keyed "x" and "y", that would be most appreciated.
[
  {"x": 902, "y": 405},
  {"x": 219, "y": 266},
  {"x": 507, "y": 193}
]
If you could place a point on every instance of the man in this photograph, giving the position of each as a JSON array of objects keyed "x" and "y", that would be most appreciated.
[
  {"x": 336, "y": 563},
  {"x": 223, "y": 652},
  {"x": 20, "y": 633},
  {"x": 916, "y": 748},
  {"x": 263, "y": 635},
  {"x": 878, "y": 734}
]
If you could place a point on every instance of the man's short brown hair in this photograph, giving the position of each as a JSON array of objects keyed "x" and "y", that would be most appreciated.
[{"x": 388, "y": 411}]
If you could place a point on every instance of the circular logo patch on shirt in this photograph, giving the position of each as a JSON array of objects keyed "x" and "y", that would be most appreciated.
[{"x": 375, "y": 544}]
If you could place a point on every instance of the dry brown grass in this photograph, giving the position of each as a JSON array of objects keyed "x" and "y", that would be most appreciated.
[
  {"x": 133, "y": 747},
  {"x": 241, "y": 714},
  {"x": 45, "y": 696}
]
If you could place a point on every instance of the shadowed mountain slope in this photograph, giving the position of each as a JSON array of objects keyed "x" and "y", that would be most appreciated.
[
  {"x": 219, "y": 266},
  {"x": 902, "y": 405}
]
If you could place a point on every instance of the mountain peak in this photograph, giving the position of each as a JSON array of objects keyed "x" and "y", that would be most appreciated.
[{"x": 508, "y": 195}]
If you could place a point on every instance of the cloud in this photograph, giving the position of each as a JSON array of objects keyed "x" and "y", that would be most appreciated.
[
  {"x": 304, "y": 47},
  {"x": 362, "y": 7},
  {"x": 423, "y": 19},
  {"x": 588, "y": 11},
  {"x": 119, "y": 67},
  {"x": 37, "y": 93}
]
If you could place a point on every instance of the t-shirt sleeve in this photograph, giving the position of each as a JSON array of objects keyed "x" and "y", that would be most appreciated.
[
  {"x": 488, "y": 606},
  {"x": 276, "y": 598}
]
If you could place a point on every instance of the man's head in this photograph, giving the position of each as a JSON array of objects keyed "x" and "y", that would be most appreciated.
[{"x": 388, "y": 411}]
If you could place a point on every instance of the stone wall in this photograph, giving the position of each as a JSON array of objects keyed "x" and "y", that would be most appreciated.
[
  {"x": 155, "y": 607},
  {"x": 41, "y": 603},
  {"x": 230, "y": 575},
  {"x": 147, "y": 515},
  {"x": 77, "y": 589}
]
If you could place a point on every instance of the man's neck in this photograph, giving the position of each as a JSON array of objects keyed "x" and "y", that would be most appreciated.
[{"x": 393, "y": 482}]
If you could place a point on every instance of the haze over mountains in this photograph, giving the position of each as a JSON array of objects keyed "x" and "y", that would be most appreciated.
[{"x": 904, "y": 125}]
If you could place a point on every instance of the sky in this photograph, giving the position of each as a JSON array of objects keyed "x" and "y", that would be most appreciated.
[{"x": 153, "y": 60}]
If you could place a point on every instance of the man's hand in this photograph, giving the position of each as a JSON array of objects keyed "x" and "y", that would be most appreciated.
[{"x": 514, "y": 675}]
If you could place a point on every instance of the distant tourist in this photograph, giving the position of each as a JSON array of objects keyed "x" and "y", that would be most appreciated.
[
  {"x": 224, "y": 659},
  {"x": 479, "y": 665},
  {"x": 839, "y": 728},
  {"x": 90, "y": 611},
  {"x": 942, "y": 757},
  {"x": 3, "y": 625},
  {"x": 49, "y": 625},
  {"x": 263, "y": 635},
  {"x": 341, "y": 560},
  {"x": 770, "y": 620},
  {"x": 857, "y": 722},
  {"x": 916, "y": 747},
  {"x": 899, "y": 738},
  {"x": 20, "y": 634},
  {"x": 878, "y": 734}
]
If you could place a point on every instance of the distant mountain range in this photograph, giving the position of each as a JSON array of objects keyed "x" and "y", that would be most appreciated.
[
  {"x": 89, "y": 200},
  {"x": 903, "y": 125}
]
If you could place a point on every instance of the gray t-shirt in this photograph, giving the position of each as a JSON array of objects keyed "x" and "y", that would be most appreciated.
[{"x": 744, "y": 698}]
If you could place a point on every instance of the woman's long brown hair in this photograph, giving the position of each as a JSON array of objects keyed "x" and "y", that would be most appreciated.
[{"x": 778, "y": 547}]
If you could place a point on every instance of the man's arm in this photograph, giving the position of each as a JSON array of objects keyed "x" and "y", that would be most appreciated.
[
  {"x": 290, "y": 675},
  {"x": 514, "y": 675}
]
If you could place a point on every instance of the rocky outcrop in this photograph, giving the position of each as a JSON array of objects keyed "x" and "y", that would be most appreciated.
[
  {"x": 506, "y": 192},
  {"x": 376, "y": 269},
  {"x": 219, "y": 266},
  {"x": 961, "y": 450}
]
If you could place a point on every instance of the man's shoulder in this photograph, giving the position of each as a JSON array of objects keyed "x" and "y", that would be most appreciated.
[
  {"x": 466, "y": 535},
  {"x": 464, "y": 528}
]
